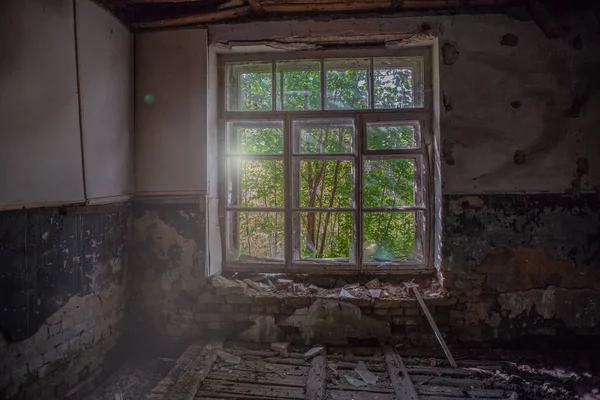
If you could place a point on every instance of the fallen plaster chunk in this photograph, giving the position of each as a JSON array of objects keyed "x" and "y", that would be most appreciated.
[
  {"x": 299, "y": 288},
  {"x": 228, "y": 358},
  {"x": 346, "y": 294},
  {"x": 313, "y": 288},
  {"x": 373, "y": 284},
  {"x": 315, "y": 351},
  {"x": 261, "y": 287},
  {"x": 352, "y": 286},
  {"x": 375, "y": 293},
  {"x": 228, "y": 285},
  {"x": 281, "y": 348},
  {"x": 366, "y": 375},
  {"x": 354, "y": 382},
  {"x": 284, "y": 284}
]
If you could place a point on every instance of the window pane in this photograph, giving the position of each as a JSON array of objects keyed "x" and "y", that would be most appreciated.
[
  {"x": 347, "y": 84},
  {"x": 326, "y": 236},
  {"x": 390, "y": 237},
  {"x": 256, "y": 137},
  {"x": 256, "y": 236},
  {"x": 298, "y": 85},
  {"x": 326, "y": 183},
  {"x": 256, "y": 183},
  {"x": 250, "y": 87},
  {"x": 323, "y": 136},
  {"x": 397, "y": 82},
  {"x": 389, "y": 182},
  {"x": 392, "y": 135}
]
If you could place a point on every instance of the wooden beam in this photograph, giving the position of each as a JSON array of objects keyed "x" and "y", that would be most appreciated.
[
  {"x": 316, "y": 382},
  {"x": 434, "y": 326},
  {"x": 257, "y": 7},
  {"x": 277, "y": 7},
  {"x": 194, "y": 374},
  {"x": 545, "y": 20},
  {"x": 196, "y": 19},
  {"x": 403, "y": 387}
]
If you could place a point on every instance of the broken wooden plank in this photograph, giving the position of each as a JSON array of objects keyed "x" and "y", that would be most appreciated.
[
  {"x": 418, "y": 369},
  {"x": 545, "y": 20},
  {"x": 403, "y": 387},
  {"x": 464, "y": 392},
  {"x": 434, "y": 326},
  {"x": 219, "y": 388},
  {"x": 254, "y": 366},
  {"x": 164, "y": 385},
  {"x": 265, "y": 378},
  {"x": 352, "y": 395},
  {"x": 316, "y": 383},
  {"x": 192, "y": 376},
  {"x": 275, "y": 360},
  {"x": 257, "y": 7},
  {"x": 196, "y": 19}
]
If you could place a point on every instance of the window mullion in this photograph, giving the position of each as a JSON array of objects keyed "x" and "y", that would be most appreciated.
[
  {"x": 288, "y": 189},
  {"x": 323, "y": 85},
  {"x": 358, "y": 191}
]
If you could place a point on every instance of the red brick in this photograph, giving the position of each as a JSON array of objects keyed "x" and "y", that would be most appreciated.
[
  {"x": 268, "y": 300},
  {"x": 380, "y": 311},
  {"x": 396, "y": 311},
  {"x": 407, "y": 320},
  {"x": 297, "y": 302},
  {"x": 385, "y": 303},
  {"x": 272, "y": 309},
  {"x": 257, "y": 309},
  {"x": 208, "y": 317},
  {"x": 411, "y": 311},
  {"x": 238, "y": 299},
  {"x": 213, "y": 325},
  {"x": 226, "y": 308}
]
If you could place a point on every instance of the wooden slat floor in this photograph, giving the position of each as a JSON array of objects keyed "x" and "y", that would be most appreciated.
[{"x": 264, "y": 374}]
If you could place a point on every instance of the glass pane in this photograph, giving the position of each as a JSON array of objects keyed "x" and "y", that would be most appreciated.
[
  {"x": 298, "y": 85},
  {"x": 397, "y": 82},
  {"x": 326, "y": 183},
  {"x": 256, "y": 183},
  {"x": 392, "y": 135},
  {"x": 347, "y": 84},
  {"x": 389, "y": 182},
  {"x": 323, "y": 136},
  {"x": 256, "y": 236},
  {"x": 256, "y": 137},
  {"x": 250, "y": 87},
  {"x": 390, "y": 237},
  {"x": 326, "y": 236}
]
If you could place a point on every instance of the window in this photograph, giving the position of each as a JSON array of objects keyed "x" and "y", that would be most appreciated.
[{"x": 326, "y": 162}]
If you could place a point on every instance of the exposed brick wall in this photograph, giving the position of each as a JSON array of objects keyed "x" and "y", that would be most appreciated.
[
  {"x": 522, "y": 265},
  {"x": 63, "y": 297},
  {"x": 307, "y": 318}
]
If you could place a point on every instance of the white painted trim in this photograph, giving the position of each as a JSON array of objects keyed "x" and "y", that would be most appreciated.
[{"x": 109, "y": 199}]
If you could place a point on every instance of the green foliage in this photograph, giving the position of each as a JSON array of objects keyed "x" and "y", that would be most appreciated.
[{"x": 327, "y": 183}]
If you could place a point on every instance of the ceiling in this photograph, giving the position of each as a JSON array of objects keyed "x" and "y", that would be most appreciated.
[{"x": 161, "y": 14}]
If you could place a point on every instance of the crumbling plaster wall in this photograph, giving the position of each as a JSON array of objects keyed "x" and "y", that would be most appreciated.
[
  {"x": 62, "y": 297},
  {"x": 520, "y": 162}
]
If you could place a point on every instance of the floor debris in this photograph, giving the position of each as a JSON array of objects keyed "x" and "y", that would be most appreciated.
[
  {"x": 315, "y": 351},
  {"x": 375, "y": 293},
  {"x": 345, "y": 294},
  {"x": 281, "y": 348},
  {"x": 228, "y": 358},
  {"x": 366, "y": 375},
  {"x": 373, "y": 284},
  {"x": 354, "y": 382}
]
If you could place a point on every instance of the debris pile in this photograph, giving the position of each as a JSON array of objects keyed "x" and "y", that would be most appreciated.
[{"x": 373, "y": 289}]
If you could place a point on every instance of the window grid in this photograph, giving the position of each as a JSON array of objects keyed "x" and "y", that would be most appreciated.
[{"x": 292, "y": 157}]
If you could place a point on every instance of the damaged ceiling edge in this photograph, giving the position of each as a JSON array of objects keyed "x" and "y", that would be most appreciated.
[{"x": 318, "y": 42}]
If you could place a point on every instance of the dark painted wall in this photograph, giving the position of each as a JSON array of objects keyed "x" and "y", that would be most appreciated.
[
  {"x": 168, "y": 259},
  {"x": 62, "y": 281},
  {"x": 523, "y": 265}
]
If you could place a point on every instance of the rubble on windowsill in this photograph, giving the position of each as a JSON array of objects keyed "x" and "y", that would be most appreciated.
[{"x": 372, "y": 290}]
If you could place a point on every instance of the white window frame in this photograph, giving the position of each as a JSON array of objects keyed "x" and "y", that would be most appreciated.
[{"x": 424, "y": 115}]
